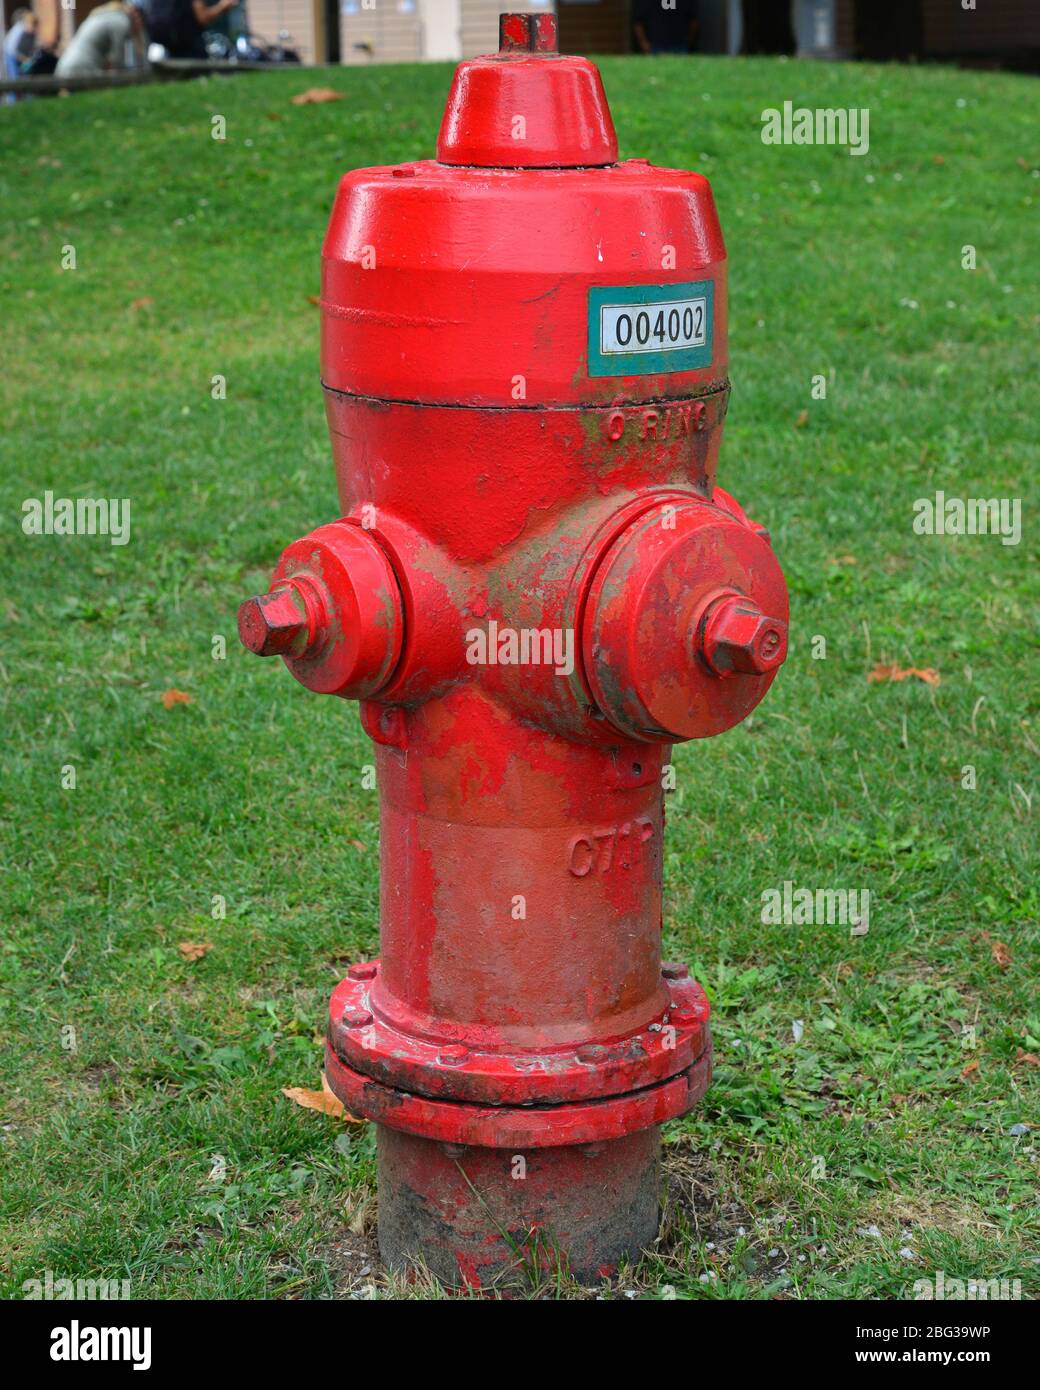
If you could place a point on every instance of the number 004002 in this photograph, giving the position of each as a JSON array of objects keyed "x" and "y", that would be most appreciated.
[{"x": 673, "y": 324}]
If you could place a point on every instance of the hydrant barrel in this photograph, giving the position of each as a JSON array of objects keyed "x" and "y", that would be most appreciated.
[{"x": 534, "y": 588}]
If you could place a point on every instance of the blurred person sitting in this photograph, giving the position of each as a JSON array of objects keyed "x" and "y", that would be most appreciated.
[
  {"x": 99, "y": 44},
  {"x": 178, "y": 24},
  {"x": 664, "y": 26},
  {"x": 19, "y": 45}
]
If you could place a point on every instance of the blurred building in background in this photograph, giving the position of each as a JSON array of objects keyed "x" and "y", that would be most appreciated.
[{"x": 995, "y": 33}]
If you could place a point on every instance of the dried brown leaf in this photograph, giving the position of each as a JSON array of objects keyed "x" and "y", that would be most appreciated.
[
  {"x": 194, "y": 950},
  {"x": 313, "y": 95},
  {"x": 902, "y": 673},
  {"x": 175, "y": 697},
  {"x": 324, "y": 1100}
]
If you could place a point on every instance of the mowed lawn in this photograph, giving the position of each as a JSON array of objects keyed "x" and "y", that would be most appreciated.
[{"x": 874, "y": 1117}]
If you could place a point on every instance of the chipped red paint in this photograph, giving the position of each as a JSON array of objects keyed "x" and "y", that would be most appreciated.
[{"x": 492, "y": 492}]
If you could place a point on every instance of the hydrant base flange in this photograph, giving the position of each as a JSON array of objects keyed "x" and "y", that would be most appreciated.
[
  {"x": 393, "y": 1046},
  {"x": 519, "y": 1126}
]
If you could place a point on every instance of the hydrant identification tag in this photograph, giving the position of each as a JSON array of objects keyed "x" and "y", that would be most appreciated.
[{"x": 643, "y": 330}]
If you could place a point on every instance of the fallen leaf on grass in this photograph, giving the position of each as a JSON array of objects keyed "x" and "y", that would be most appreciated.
[
  {"x": 361, "y": 848},
  {"x": 315, "y": 1100},
  {"x": 1029, "y": 1057},
  {"x": 801, "y": 419},
  {"x": 315, "y": 94},
  {"x": 194, "y": 950},
  {"x": 900, "y": 673},
  {"x": 143, "y": 303},
  {"x": 970, "y": 1071},
  {"x": 314, "y": 299},
  {"x": 174, "y": 697},
  {"x": 323, "y": 1100},
  {"x": 1001, "y": 954}
]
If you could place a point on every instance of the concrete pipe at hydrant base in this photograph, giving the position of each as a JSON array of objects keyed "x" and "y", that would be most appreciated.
[{"x": 534, "y": 589}]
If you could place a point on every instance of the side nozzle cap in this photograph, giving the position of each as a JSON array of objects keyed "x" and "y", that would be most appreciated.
[{"x": 333, "y": 613}]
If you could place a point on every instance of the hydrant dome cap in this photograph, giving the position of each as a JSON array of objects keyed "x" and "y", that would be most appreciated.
[{"x": 527, "y": 107}]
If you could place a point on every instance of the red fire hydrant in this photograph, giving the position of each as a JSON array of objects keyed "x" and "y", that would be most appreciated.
[{"x": 535, "y": 589}]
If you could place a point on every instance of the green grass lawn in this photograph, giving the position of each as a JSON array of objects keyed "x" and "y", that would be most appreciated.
[{"x": 144, "y": 1134}]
